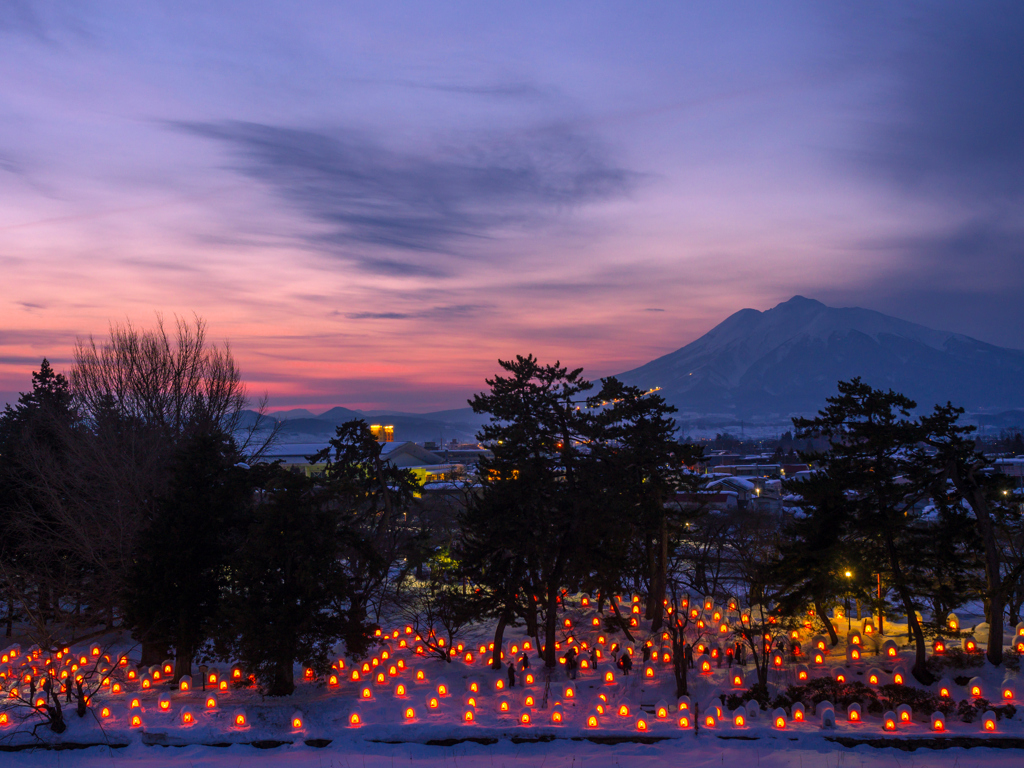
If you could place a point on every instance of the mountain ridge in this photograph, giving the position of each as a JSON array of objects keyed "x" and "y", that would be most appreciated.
[{"x": 786, "y": 360}]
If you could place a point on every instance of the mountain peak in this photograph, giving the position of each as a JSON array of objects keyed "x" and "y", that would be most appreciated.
[
  {"x": 800, "y": 301},
  {"x": 787, "y": 360}
]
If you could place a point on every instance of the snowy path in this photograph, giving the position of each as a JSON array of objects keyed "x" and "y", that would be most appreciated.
[{"x": 505, "y": 754}]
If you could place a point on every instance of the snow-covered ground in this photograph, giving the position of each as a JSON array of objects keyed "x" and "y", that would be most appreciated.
[{"x": 698, "y": 753}]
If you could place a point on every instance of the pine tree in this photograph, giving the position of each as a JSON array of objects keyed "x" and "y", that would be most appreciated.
[{"x": 531, "y": 501}]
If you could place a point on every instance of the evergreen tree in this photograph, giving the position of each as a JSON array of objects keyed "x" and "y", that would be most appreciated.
[
  {"x": 531, "y": 501},
  {"x": 287, "y": 583},
  {"x": 876, "y": 458},
  {"x": 182, "y": 554}
]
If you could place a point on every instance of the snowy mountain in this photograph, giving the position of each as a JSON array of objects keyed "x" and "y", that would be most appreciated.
[{"x": 788, "y": 359}]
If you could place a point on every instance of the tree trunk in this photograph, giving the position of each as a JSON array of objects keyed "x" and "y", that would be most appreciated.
[
  {"x": 679, "y": 667},
  {"x": 551, "y": 626},
  {"x": 499, "y": 633},
  {"x": 833, "y": 638},
  {"x": 657, "y": 597},
  {"x": 152, "y": 653},
  {"x": 283, "y": 681},
  {"x": 622, "y": 622},
  {"x": 995, "y": 589},
  {"x": 182, "y": 663}
]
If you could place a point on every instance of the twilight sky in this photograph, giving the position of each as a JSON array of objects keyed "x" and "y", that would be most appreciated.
[{"x": 375, "y": 201}]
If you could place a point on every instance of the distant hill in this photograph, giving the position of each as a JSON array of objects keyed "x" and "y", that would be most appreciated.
[
  {"x": 787, "y": 360},
  {"x": 294, "y": 413},
  {"x": 295, "y": 427}
]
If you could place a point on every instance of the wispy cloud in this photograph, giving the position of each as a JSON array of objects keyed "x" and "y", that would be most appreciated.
[{"x": 393, "y": 211}]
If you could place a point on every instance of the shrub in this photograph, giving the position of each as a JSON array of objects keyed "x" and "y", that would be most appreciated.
[{"x": 891, "y": 696}]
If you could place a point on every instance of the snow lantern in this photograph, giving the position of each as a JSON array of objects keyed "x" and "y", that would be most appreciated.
[
  {"x": 163, "y": 703},
  {"x": 868, "y": 626},
  {"x": 592, "y": 721},
  {"x": 609, "y": 678},
  {"x": 819, "y": 643},
  {"x": 641, "y": 724},
  {"x": 988, "y": 721},
  {"x": 1008, "y": 690},
  {"x": 333, "y": 680},
  {"x": 469, "y": 715},
  {"x": 904, "y": 713},
  {"x": 409, "y": 714},
  {"x": 839, "y": 674},
  {"x": 135, "y": 703},
  {"x": 753, "y": 710},
  {"x": 799, "y": 713},
  {"x": 739, "y": 718},
  {"x": 355, "y": 718},
  {"x": 802, "y": 675},
  {"x": 975, "y": 689},
  {"x": 239, "y": 719},
  {"x": 890, "y": 650},
  {"x": 683, "y": 704},
  {"x": 889, "y": 721},
  {"x": 661, "y": 711},
  {"x": 854, "y": 638},
  {"x": 853, "y": 654},
  {"x": 1018, "y": 645},
  {"x": 737, "y": 678},
  {"x": 420, "y": 676},
  {"x": 569, "y": 692},
  {"x": 828, "y": 718},
  {"x": 938, "y": 721},
  {"x": 116, "y": 688},
  {"x": 146, "y": 683},
  {"x": 557, "y": 715},
  {"x": 105, "y": 712},
  {"x": 433, "y": 705},
  {"x": 185, "y": 684},
  {"x": 381, "y": 678},
  {"x": 499, "y": 684},
  {"x": 167, "y": 669},
  {"x": 525, "y": 717},
  {"x": 778, "y": 660},
  {"x": 710, "y": 721},
  {"x": 899, "y": 675},
  {"x": 187, "y": 717},
  {"x": 953, "y": 623},
  {"x": 939, "y": 646},
  {"x": 366, "y": 694},
  {"x": 874, "y": 677},
  {"x": 528, "y": 699},
  {"x": 503, "y": 705},
  {"x": 970, "y": 645},
  {"x": 704, "y": 664},
  {"x": 211, "y": 701},
  {"x": 528, "y": 678},
  {"x": 945, "y": 688},
  {"x": 623, "y": 710},
  {"x": 298, "y": 721},
  {"x": 136, "y": 720},
  {"x": 684, "y": 719},
  {"x": 853, "y": 713},
  {"x": 236, "y": 673}
]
